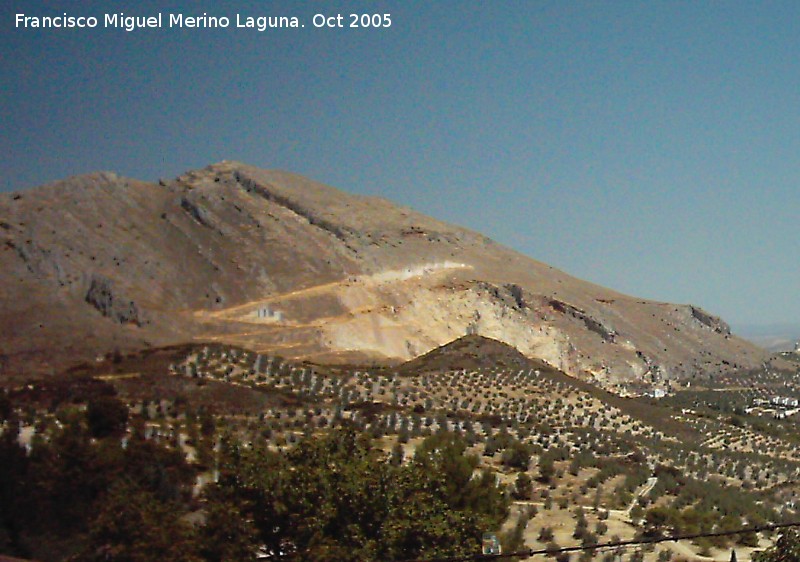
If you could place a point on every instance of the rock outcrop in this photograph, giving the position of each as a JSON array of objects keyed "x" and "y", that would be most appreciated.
[{"x": 102, "y": 296}]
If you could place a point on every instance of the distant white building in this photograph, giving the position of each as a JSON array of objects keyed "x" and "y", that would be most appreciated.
[
  {"x": 656, "y": 393},
  {"x": 267, "y": 313}
]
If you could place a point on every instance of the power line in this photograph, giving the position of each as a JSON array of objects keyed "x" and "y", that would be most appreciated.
[{"x": 600, "y": 546}]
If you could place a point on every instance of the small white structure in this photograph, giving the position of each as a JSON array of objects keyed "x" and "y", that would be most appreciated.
[{"x": 267, "y": 313}]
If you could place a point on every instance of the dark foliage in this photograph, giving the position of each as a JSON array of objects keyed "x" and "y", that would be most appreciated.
[{"x": 106, "y": 416}]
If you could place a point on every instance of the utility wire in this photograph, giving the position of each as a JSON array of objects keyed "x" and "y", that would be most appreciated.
[{"x": 599, "y": 546}]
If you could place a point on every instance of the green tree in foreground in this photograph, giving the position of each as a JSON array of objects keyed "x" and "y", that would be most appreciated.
[
  {"x": 134, "y": 526},
  {"x": 75, "y": 497},
  {"x": 106, "y": 416},
  {"x": 336, "y": 498},
  {"x": 226, "y": 535},
  {"x": 332, "y": 497}
]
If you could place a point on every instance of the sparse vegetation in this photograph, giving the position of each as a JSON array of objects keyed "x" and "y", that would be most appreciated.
[{"x": 576, "y": 467}]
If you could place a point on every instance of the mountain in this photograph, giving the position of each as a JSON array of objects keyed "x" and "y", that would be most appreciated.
[
  {"x": 774, "y": 337},
  {"x": 278, "y": 263}
]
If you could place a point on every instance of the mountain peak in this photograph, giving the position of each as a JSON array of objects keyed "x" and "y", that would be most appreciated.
[{"x": 279, "y": 263}]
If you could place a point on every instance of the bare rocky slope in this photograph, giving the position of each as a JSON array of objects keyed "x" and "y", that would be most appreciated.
[{"x": 281, "y": 264}]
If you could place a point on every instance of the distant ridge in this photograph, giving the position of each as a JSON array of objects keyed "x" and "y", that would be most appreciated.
[{"x": 773, "y": 337}]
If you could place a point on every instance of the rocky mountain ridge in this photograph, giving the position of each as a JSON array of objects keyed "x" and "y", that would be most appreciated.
[{"x": 281, "y": 264}]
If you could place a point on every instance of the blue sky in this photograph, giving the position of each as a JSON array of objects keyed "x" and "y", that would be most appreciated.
[{"x": 650, "y": 147}]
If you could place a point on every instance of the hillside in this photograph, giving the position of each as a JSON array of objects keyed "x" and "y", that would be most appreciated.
[
  {"x": 469, "y": 353},
  {"x": 278, "y": 263},
  {"x": 705, "y": 459}
]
